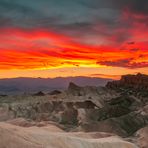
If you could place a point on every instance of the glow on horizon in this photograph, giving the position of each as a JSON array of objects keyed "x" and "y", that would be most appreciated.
[{"x": 110, "y": 72}]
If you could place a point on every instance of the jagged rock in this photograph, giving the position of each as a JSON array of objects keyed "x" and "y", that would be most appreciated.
[
  {"x": 131, "y": 122},
  {"x": 40, "y": 93},
  {"x": 123, "y": 126},
  {"x": 111, "y": 111},
  {"x": 35, "y": 110},
  {"x": 97, "y": 115},
  {"x": 81, "y": 112},
  {"x": 137, "y": 82},
  {"x": 124, "y": 101},
  {"x": 88, "y": 104},
  {"x": 55, "y": 92},
  {"x": 60, "y": 111},
  {"x": 74, "y": 89}
]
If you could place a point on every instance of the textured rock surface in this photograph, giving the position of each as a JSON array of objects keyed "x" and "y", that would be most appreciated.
[
  {"x": 142, "y": 137},
  {"x": 50, "y": 137},
  {"x": 40, "y": 93},
  {"x": 55, "y": 92},
  {"x": 137, "y": 82}
]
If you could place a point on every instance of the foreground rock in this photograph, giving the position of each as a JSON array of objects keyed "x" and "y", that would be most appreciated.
[
  {"x": 142, "y": 137},
  {"x": 12, "y": 136}
]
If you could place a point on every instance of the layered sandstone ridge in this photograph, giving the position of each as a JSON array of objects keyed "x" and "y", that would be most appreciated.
[
  {"x": 137, "y": 82},
  {"x": 12, "y": 136}
]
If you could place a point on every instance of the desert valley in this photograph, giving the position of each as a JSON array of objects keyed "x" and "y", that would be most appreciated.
[{"x": 113, "y": 116}]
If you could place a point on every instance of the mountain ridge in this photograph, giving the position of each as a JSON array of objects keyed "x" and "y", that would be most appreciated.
[{"x": 24, "y": 84}]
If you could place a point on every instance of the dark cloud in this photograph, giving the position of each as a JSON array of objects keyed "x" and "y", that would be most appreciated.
[
  {"x": 135, "y": 6},
  {"x": 127, "y": 63},
  {"x": 103, "y": 19},
  {"x": 70, "y": 11},
  {"x": 14, "y": 14}
]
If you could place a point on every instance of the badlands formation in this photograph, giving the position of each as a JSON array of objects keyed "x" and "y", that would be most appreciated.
[{"x": 115, "y": 116}]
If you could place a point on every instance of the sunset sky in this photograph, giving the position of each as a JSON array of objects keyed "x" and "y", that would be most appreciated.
[{"x": 60, "y": 38}]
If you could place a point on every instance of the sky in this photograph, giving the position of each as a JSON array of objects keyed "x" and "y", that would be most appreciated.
[{"x": 61, "y": 38}]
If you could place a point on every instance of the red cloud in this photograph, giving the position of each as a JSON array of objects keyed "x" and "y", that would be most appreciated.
[{"x": 39, "y": 49}]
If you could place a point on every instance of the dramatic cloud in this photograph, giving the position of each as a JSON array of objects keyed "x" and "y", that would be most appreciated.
[
  {"x": 41, "y": 34},
  {"x": 39, "y": 49}
]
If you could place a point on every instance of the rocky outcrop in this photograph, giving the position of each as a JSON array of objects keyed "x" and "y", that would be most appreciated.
[
  {"x": 40, "y": 93},
  {"x": 137, "y": 82},
  {"x": 55, "y": 92},
  {"x": 91, "y": 91},
  {"x": 73, "y": 89},
  {"x": 45, "y": 110},
  {"x": 117, "y": 114},
  {"x": 123, "y": 126}
]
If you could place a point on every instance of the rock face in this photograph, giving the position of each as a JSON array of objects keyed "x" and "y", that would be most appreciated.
[
  {"x": 137, "y": 82},
  {"x": 123, "y": 126},
  {"x": 74, "y": 89},
  {"x": 50, "y": 136}
]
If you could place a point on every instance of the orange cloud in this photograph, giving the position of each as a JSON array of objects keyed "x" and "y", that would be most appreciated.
[{"x": 43, "y": 49}]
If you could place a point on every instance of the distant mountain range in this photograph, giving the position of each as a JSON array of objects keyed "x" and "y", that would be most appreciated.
[{"x": 30, "y": 85}]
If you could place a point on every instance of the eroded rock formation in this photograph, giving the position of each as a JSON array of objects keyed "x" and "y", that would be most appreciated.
[
  {"x": 120, "y": 108},
  {"x": 50, "y": 136},
  {"x": 131, "y": 83}
]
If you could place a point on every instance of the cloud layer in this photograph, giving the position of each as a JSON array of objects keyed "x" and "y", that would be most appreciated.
[{"x": 45, "y": 34}]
